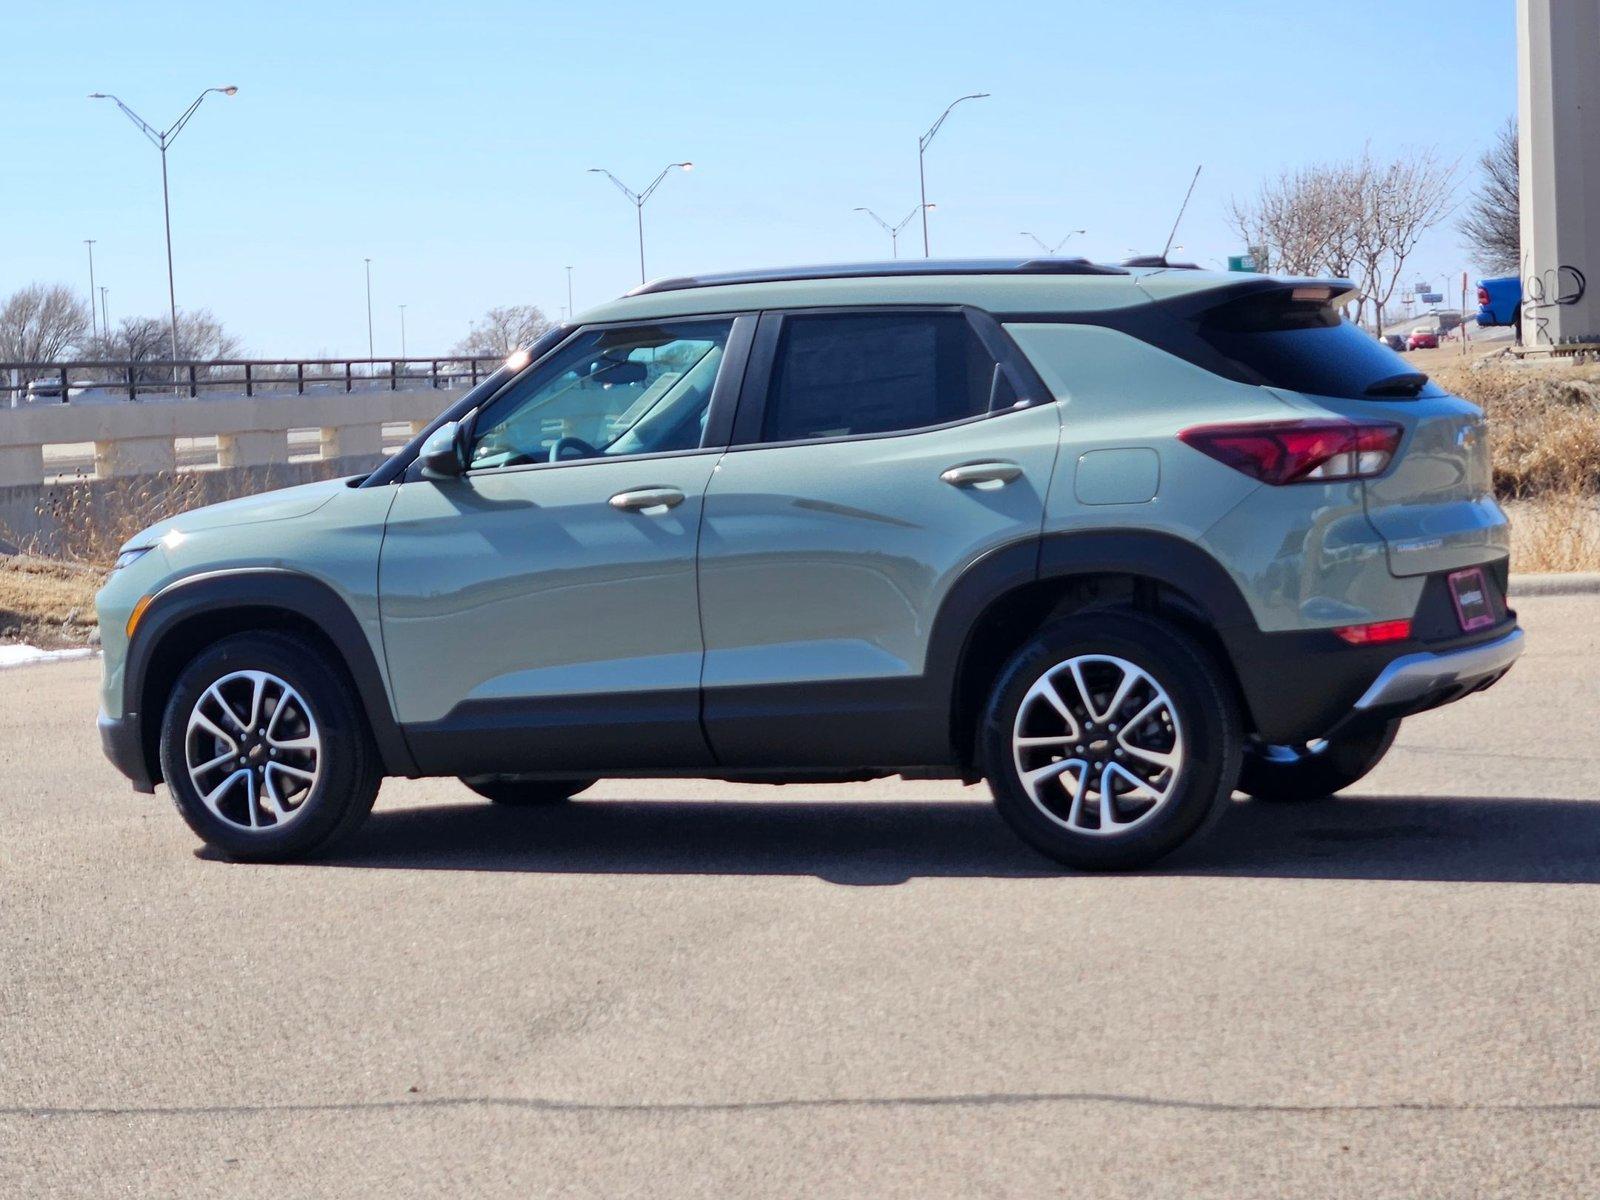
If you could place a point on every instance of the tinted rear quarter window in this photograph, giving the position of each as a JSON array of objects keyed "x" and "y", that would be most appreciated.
[
  {"x": 844, "y": 375},
  {"x": 1306, "y": 346}
]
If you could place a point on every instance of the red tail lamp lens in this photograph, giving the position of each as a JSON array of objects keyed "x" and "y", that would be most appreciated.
[
  {"x": 1371, "y": 635},
  {"x": 1299, "y": 451}
]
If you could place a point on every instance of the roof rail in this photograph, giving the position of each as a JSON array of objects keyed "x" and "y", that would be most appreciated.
[{"x": 884, "y": 270}]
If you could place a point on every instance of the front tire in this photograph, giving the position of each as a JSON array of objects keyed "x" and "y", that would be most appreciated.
[
  {"x": 265, "y": 751},
  {"x": 1110, "y": 739},
  {"x": 525, "y": 793},
  {"x": 1316, "y": 769}
]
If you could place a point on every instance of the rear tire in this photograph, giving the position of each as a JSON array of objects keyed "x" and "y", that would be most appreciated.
[
  {"x": 265, "y": 751},
  {"x": 1315, "y": 770},
  {"x": 1116, "y": 703},
  {"x": 525, "y": 793}
]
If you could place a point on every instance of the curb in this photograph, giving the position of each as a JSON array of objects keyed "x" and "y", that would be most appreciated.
[{"x": 1574, "y": 583}]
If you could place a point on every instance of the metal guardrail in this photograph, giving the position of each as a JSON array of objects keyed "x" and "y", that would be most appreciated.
[{"x": 63, "y": 382}]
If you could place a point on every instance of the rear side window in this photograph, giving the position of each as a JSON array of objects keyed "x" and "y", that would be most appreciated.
[
  {"x": 847, "y": 375},
  {"x": 1306, "y": 346}
]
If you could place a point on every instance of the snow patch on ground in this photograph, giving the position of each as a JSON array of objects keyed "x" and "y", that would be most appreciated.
[{"x": 25, "y": 656}]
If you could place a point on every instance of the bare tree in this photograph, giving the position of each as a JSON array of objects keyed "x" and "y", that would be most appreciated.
[
  {"x": 501, "y": 330},
  {"x": 1358, "y": 219},
  {"x": 1306, "y": 220},
  {"x": 145, "y": 343},
  {"x": 1400, "y": 201},
  {"x": 41, "y": 322},
  {"x": 1493, "y": 220}
]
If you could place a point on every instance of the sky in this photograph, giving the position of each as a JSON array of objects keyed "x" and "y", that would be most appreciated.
[{"x": 449, "y": 142}]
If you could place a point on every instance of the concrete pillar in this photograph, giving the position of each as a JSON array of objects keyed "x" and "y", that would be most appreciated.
[
  {"x": 21, "y": 464},
  {"x": 257, "y": 448},
  {"x": 349, "y": 440},
  {"x": 418, "y": 426},
  {"x": 134, "y": 456},
  {"x": 1558, "y": 88}
]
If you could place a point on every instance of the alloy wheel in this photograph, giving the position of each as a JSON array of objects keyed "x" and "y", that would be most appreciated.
[
  {"x": 1098, "y": 744},
  {"x": 253, "y": 750}
]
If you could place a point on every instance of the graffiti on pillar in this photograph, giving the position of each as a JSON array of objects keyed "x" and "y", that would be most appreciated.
[{"x": 1543, "y": 291}]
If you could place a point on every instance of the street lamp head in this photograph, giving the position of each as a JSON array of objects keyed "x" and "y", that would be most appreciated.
[
  {"x": 230, "y": 90},
  {"x": 596, "y": 171},
  {"x": 98, "y": 96},
  {"x": 930, "y": 206},
  {"x": 684, "y": 166}
]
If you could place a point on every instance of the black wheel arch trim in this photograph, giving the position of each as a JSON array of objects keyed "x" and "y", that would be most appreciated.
[
  {"x": 296, "y": 594},
  {"x": 1060, "y": 556}
]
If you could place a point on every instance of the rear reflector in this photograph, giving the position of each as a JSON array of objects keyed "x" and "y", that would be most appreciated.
[
  {"x": 1381, "y": 631},
  {"x": 1299, "y": 451}
]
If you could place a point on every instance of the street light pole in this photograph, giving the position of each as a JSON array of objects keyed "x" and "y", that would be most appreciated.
[
  {"x": 638, "y": 200},
  {"x": 89, "y": 242},
  {"x": 105, "y": 321},
  {"x": 161, "y": 139},
  {"x": 402, "y": 331},
  {"x": 923, "y": 143},
  {"x": 894, "y": 230},
  {"x": 1051, "y": 249},
  {"x": 569, "y": 291},
  {"x": 370, "y": 352}
]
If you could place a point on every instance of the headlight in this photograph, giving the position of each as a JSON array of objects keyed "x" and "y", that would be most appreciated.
[{"x": 128, "y": 557}]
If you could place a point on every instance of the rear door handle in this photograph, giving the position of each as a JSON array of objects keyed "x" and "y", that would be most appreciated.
[
  {"x": 645, "y": 499},
  {"x": 977, "y": 474}
]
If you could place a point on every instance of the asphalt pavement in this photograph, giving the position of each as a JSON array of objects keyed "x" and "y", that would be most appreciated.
[{"x": 698, "y": 989}]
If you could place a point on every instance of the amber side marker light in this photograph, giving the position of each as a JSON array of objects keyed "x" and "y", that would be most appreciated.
[
  {"x": 1381, "y": 631},
  {"x": 138, "y": 611}
]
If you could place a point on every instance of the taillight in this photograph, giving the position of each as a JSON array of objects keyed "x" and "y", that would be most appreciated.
[
  {"x": 1299, "y": 451},
  {"x": 1378, "y": 631},
  {"x": 1483, "y": 297}
]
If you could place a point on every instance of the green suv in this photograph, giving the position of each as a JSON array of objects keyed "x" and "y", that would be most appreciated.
[{"x": 1118, "y": 540}]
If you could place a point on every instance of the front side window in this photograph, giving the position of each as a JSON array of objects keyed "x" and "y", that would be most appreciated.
[
  {"x": 853, "y": 374},
  {"x": 645, "y": 389}
]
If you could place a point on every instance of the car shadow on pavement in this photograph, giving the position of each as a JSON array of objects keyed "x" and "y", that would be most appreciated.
[{"x": 879, "y": 842}]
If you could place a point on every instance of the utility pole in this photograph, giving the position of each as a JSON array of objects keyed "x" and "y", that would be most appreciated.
[
  {"x": 161, "y": 139},
  {"x": 923, "y": 143},
  {"x": 89, "y": 242},
  {"x": 370, "y": 352},
  {"x": 637, "y": 199}
]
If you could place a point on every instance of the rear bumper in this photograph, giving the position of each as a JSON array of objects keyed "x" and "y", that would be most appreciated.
[
  {"x": 119, "y": 738},
  {"x": 1423, "y": 680}
]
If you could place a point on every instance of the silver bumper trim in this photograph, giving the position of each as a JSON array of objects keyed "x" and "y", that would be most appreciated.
[{"x": 1417, "y": 675}]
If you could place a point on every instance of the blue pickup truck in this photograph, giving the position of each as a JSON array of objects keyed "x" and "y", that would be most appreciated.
[{"x": 1500, "y": 302}]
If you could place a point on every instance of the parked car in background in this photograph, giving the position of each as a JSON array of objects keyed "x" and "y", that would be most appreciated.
[
  {"x": 1395, "y": 341},
  {"x": 1500, "y": 302},
  {"x": 1423, "y": 339},
  {"x": 835, "y": 523}
]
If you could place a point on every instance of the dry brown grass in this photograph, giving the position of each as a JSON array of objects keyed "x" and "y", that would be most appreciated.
[
  {"x": 92, "y": 520},
  {"x": 47, "y": 602},
  {"x": 1555, "y": 533},
  {"x": 1544, "y": 426}
]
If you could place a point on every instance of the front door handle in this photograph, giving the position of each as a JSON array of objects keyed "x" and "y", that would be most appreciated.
[
  {"x": 979, "y": 474},
  {"x": 645, "y": 499}
]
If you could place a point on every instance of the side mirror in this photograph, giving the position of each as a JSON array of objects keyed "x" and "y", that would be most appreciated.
[{"x": 444, "y": 454}]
